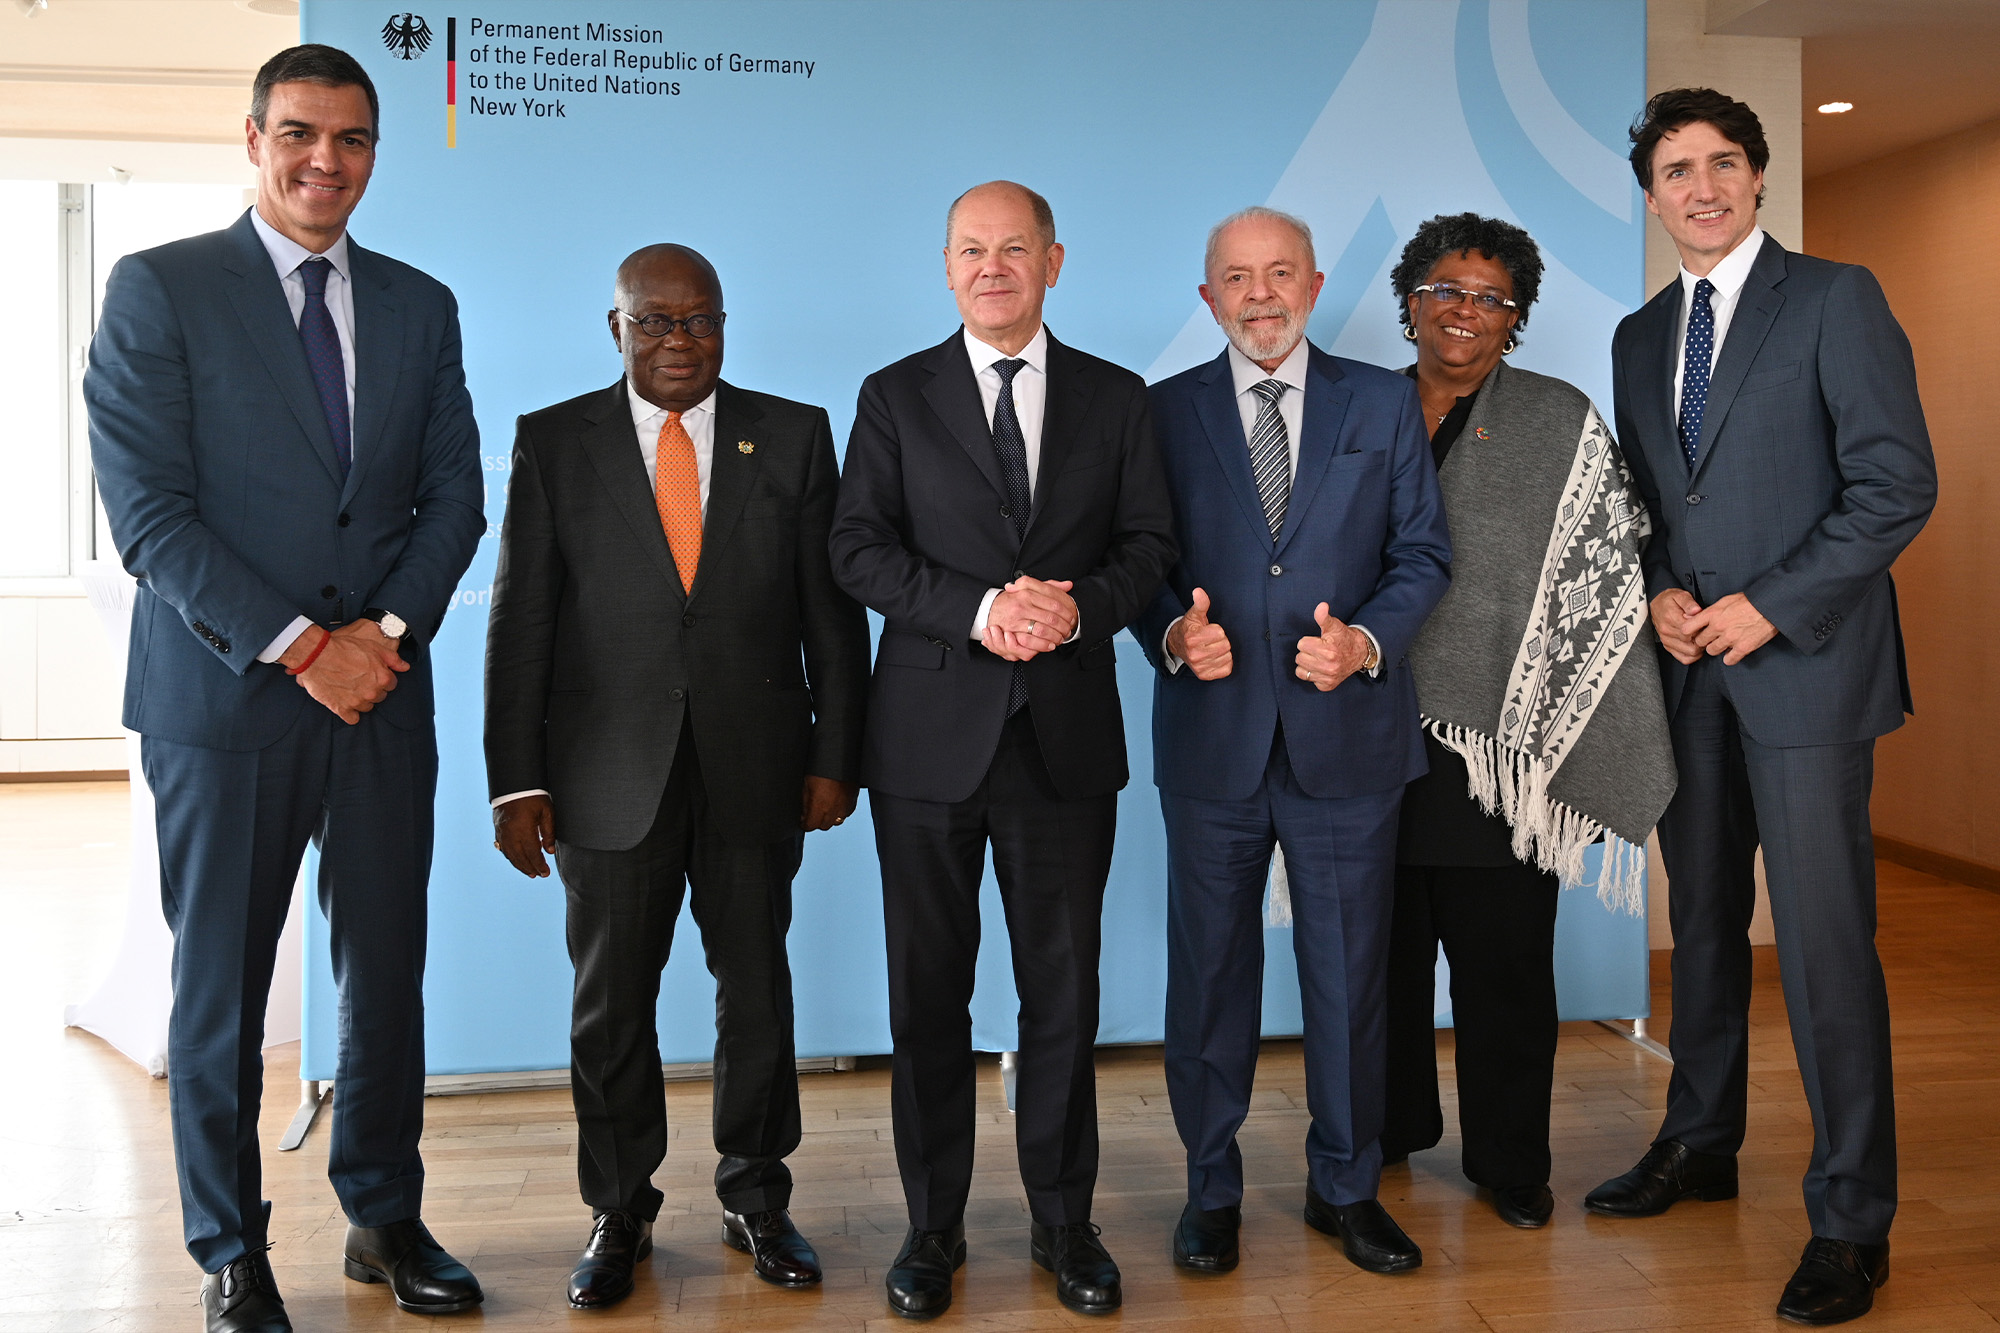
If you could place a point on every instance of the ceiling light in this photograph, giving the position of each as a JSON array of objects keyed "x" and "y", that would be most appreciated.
[{"x": 1834, "y": 108}]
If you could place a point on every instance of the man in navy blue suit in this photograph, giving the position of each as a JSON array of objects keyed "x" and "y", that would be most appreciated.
[
  {"x": 288, "y": 459},
  {"x": 1313, "y": 545},
  {"x": 1768, "y": 405}
]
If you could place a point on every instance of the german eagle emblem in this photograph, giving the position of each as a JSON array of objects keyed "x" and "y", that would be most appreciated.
[{"x": 406, "y": 35}]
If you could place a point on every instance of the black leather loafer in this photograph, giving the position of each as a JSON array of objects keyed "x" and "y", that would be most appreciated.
[
  {"x": 424, "y": 1279},
  {"x": 1205, "y": 1238},
  {"x": 783, "y": 1257},
  {"x": 1368, "y": 1235},
  {"x": 619, "y": 1242},
  {"x": 1835, "y": 1281},
  {"x": 919, "y": 1281},
  {"x": 243, "y": 1297},
  {"x": 1524, "y": 1206},
  {"x": 1669, "y": 1172},
  {"x": 1086, "y": 1278}
]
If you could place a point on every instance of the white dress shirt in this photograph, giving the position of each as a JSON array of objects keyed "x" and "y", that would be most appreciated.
[
  {"x": 647, "y": 419},
  {"x": 1246, "y": 375},
  {"x": 1728, "y": 277},
  {"x": 698, "y": 421},
  {"x": 286, "y": 256},
  {"x": 1031, "y": 398}
]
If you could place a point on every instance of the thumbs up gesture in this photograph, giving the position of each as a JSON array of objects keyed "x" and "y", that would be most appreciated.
[
  {"x": 1332, "y": 655},
  {"x": 1200, "y": 642}
]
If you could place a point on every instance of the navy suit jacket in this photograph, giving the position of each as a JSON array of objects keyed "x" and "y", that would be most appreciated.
[
  {"x": 1364, "y": 532},
  {"x": 224, "y": 494},
  {"x": 1813, "y": 472}
]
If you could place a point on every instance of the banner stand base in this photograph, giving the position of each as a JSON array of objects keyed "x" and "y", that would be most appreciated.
[
  {"x": 1636, "y": 1034},
  {"x": 313, "y": 1095}
]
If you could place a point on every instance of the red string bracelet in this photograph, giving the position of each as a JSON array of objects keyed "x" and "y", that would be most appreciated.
[{"x": 325, "y": 637}]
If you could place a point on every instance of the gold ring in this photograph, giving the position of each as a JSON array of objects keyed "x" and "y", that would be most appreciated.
[{"x": 840, "y": 819}]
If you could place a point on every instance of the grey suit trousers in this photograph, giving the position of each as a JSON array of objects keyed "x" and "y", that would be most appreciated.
[{"x": 1808, "y": 807}]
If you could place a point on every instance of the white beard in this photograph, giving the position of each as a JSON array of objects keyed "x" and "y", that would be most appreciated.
[{"x": 1266, "y": 346}]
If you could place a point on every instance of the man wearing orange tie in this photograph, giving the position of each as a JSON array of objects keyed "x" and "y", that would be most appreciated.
[{"x": 674, "y": 696}]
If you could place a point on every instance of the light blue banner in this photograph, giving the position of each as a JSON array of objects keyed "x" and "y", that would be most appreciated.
[{"x": 809, "y": 148}]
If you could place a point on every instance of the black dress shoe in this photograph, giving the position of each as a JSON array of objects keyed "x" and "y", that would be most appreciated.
[
  {"x": 919, "y": 1282},
  {"x": 1368, "y": 1235},
  {"x": 1205, "y": 1238},
  {"x": 619, "y": 1242},
  {"x": 405, "y": 1255},
  {"x": 1086, "y": 1277},
  {"x": 784, "y": 1257},
  {"x": 1524, "y": 1206},
  {"x": 1835, "y": 1281},
  {"x": 243, "y": 1297},
  {"x": 1669, "y": 1172}
]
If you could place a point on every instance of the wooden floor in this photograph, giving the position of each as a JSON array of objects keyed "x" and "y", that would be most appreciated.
[{"x": 90, "y": 1229}]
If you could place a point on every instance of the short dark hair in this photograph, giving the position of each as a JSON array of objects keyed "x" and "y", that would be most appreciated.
[
  {"x": 1677, "y": 107},
  {"x": 1455, "y": 233},
  {"x": 328, "y": 66},
  {"x": 1045, "y": 217}
]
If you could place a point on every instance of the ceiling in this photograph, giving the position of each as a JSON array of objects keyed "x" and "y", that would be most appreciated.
[{"x": 1914, "y": 69}]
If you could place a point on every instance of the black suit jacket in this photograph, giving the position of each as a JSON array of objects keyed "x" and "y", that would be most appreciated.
[
  {"x": 594, "y": 654},
  {"x": 1813, "y": 472},
  {"x": 920, "y": 534}
]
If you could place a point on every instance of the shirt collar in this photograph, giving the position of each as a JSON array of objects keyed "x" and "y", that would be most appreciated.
[
  {"x": 1291, "y": 371},
  {"x": 643, "y": 411},
  {"x": 1734, "y": 270},
  {"x": 984, "y": 354},
  {"x": 287, "y": 254}
]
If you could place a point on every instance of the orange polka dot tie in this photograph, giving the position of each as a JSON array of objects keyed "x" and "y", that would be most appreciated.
[{"x": 677, "y": 495}]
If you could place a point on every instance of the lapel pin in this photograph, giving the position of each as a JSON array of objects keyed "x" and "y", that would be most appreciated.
[
  {"x": 745, "y": 447},
  {"x": 1482, "y": 432}
]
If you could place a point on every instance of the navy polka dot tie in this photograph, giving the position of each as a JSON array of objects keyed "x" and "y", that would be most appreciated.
[
  {"x": 1694, "y": 368},
  {"x": 329, "y": 368}
]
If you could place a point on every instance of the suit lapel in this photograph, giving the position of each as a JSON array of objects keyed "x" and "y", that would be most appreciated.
[
  {"x": 732, "y": 472},
  {"x": 259, "y": 301},
  {"x": 1757, "y": 307},
  {"x": 1065, "y": 404},
  {"x": 1319, "y": 435},
  {"x": 378, "y": 354},
  {"x": 954, "y": 395},
  {"x": 1215, "y": 404},
  {"x": 1657, "y": 356},
  {"x": 613, "y": 449}
]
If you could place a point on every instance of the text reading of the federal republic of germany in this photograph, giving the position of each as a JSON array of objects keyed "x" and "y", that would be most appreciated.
[{"x": 594, "y": 58}]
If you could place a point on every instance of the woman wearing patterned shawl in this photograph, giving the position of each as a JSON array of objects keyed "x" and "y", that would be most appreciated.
[{"x": 1541, "y": 704}]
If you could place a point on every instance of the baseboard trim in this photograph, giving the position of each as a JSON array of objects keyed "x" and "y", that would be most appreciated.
[
  {"x": 1942, "y": 864},
  {"x": 71, "y": 775}
]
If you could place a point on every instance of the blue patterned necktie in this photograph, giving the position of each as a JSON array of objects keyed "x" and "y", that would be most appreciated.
[
  {"x": 1271, "y": 453},
  {"x": 329, "y": 368},
  {"x": 1012, "y": 448},
  {"x": 1699, "y": 355}
]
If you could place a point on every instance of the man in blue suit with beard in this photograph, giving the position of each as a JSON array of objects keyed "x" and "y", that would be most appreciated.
[
  {"x": 1313, "y": 545},
  {"x": 287, "y": 455}
]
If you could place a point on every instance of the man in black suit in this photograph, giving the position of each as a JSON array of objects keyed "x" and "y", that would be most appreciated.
[
  {"x": 1768, "y": 405},
  {"x": 674, "y": 696},
  {"x": 1004, "y": 509}
]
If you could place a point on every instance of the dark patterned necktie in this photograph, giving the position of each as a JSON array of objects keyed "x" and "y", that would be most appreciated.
[
  {"x": 1012, "y": 448},
  {"x": 329, "y": 368},
  {"x": 1695, "y": 362},
  {"x": 1271, "y": 453}
]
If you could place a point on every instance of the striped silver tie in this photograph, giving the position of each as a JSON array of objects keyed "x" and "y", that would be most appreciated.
[{"x": 1271, "y": 453}]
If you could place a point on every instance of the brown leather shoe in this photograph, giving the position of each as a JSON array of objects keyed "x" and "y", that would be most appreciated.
[
  {"x": 783, "y": 1257},
  {"x": 1835, "y": 1281},
  {"x": 619, "y": 1242}
]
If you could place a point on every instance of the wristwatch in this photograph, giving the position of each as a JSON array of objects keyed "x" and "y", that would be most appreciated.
[
  {"x": 393, "y": 626},
  {"x": 1374, "y": 657}
]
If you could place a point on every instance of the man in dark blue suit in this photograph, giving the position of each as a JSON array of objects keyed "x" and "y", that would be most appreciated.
[
  {"x": 288, "y": 459},
  {"x": 1313, "y": 545},
  {"x": 1768, "y": 405}
]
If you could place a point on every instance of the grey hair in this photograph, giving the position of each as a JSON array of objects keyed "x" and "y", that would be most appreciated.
[{"x": 1257, "y": 212}]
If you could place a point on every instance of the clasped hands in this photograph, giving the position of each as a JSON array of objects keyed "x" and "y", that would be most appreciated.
[
  {"x": 354, "y": 672},
  {"x": 1030, "y": 616},
  {"x": 1731, "y": 628},
  {"x": 1326, "y": 659}
]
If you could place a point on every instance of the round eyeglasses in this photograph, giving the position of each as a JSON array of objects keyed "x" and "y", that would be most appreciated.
[
  {"x": 659, "y": 326},
  {"x": 1445, "y": 294}
]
